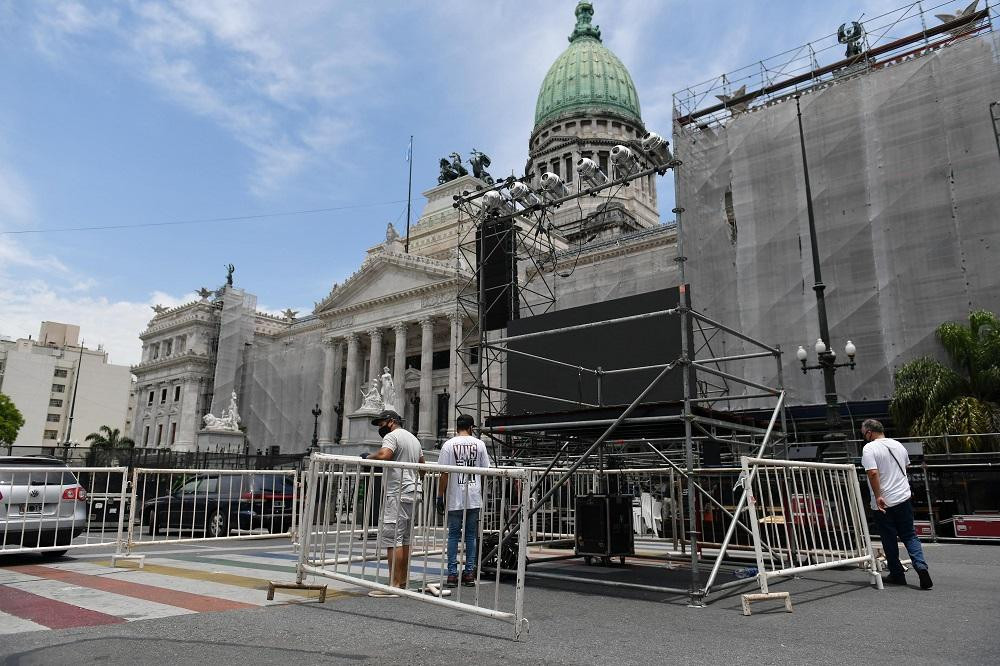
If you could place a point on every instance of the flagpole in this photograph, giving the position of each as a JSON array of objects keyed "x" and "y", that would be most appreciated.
[{"x": 409, "y": 193}]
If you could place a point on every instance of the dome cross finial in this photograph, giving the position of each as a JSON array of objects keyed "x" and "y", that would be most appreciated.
[{"x": 584, "y": 15}]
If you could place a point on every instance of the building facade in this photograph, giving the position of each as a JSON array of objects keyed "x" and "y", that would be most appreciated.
[
  {"x": 54, "y": 377},
  {"x": 400, "y": 310}
]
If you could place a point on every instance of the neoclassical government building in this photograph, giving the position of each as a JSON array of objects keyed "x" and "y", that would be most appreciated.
[{"x": 399, "y": 309}]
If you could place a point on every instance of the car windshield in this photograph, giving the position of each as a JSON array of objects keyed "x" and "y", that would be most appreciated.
[{"x": 59, "y": 476}]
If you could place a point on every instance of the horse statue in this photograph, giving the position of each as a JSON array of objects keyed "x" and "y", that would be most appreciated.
[
  {"x": 479, "y": 162},
  {"x": 450, "y": 170}
]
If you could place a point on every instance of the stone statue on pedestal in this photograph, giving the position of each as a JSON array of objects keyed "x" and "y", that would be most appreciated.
[
  {"x": 372, "y": 399},
  {"x": 388, "y": 390},
  {"x": 230, "y": 419}
]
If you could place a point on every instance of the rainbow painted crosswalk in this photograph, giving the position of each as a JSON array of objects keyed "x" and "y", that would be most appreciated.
[{"x": 80, "y": 592}]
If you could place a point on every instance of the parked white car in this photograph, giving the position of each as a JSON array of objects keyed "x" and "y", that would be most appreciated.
[{"x": 42, "y": 505}]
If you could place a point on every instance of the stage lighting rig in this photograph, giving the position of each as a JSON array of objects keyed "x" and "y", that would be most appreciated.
[
  {"x": 553, "y": 187},
  {"x": 523, "y": 195},
  {"x": 624, "y": 162},
  {"x": 495, "y": 203},
  {"x": 657, "y": 147},
  {"x": 590, "y": 174}
]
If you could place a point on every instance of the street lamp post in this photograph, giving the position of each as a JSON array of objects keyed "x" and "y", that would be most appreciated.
[
  {"x": 827, "y": 357},
  {"x": 316, "y": 412}
]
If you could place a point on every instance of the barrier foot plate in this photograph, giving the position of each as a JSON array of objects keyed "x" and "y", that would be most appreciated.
[
  {"x": 141, "y": 559},
  {"x": 769, "y": 596},
  {"x": 272, "y": 586}
]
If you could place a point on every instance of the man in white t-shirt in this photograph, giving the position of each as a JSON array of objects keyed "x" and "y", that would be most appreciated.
[
  {"x": 885, "y": 461},
  {"x": 402, "y": 494},
  {"x": 463, "y": 494}
]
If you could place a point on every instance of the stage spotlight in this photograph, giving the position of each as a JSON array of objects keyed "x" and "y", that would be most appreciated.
[
  {"x": 522, "y": 194},
  {"x": 657, "y": 147},
  {"x": 552, "y": 186},
  {"x": 590, "y": 174},
  {"x": 624, "y": 161},
  {"x": 493, "y": 201}
]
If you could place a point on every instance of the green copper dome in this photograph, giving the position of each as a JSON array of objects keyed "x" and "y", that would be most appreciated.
[{"x": 587, "y": 77}]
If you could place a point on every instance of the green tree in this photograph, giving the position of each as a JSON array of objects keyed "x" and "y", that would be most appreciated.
[
  {"x": 933, "y": 399},
  {"x": 10, "y": 422},
  {"x": 106, "y": 444}
]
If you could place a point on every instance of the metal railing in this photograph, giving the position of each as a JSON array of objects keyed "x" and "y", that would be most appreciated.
[
  {"x": 182, "y": 505},
  {"x": 352, "y": 516},
  {"x": 53, "y": 509}
]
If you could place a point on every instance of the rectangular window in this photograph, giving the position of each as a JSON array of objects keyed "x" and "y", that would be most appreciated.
[
  {"x": 52, "y": 418},
  {"x": 603, "y": 161},
  {"x": 555, "y": 167},
  {"x": 55, "y": 402},
  {"x": 413, "y": 362},
  {"x": 441, "y": 360},
  {"x": 145, "y": 436},
  {"x": 60, "y": 372},
  {"x": 177, "y": 393},
  {"x": 58, "y": 388},
  {"x": 51, "y": 434},
  {"x": 569, "y": 169},
  {"x": 155, "y": 353},
  {"x": 159, "y": 434},
  {"x": 173, "y": 433},
  {"x": 163, "y": 396},
  {"x": 168, "y": 347},
  {"x": 150, "y": 401}
]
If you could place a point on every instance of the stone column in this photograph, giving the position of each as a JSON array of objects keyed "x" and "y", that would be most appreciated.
[
  {"x": 326, "y": 394},
  {"x": 456, "y": 335},
  {"x": 399, "y": 367},
  {"x": 351, "y": 381},
  {"x": 338, "y": 365},
  {"x": 375, "y": 360},
  {"x": 187, "y": 427},
  {"x": 426, "y": 434}
]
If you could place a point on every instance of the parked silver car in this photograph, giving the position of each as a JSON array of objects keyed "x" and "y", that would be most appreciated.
[{"x": 42, "y": 504}]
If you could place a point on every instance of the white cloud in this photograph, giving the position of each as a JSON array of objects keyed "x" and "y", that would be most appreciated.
[
  {"x": 274, "y": 76},
  {"x": 37, "y": 286},
  {"x": 114, "y": 324}
]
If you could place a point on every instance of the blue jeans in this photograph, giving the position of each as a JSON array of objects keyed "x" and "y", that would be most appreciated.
[
  {"x": 897, "y": 522},
  {"x": 455, "y": 535}
]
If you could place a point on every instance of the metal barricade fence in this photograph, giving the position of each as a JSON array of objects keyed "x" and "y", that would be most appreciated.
[
  {"x": 182, "y": 505},
  {"x": 349, "y": 518},
  {"x": 805, "y": 517},
  {"x": 53, "y": 509}
]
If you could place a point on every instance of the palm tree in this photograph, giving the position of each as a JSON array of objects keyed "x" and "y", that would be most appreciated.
[
  {"x": 105, "y": 444},
  {"x": 933, "y": 399}
]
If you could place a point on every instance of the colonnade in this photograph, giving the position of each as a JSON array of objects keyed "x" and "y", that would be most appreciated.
[{"x": 346, "y": 350}]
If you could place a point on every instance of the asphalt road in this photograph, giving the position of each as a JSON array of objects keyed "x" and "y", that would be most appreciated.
[{"x": 837, "y": 619}]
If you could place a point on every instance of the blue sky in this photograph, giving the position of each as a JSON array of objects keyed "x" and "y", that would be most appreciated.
[{"x": 132, "y": 112}]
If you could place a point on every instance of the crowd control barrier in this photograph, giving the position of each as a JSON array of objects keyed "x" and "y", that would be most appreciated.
[
  {"x": 353, "y": 508},
  {"x": 54, "y": 509},
  {"x": 804, "y": 517},
  {"x": 183, "y": 505}
]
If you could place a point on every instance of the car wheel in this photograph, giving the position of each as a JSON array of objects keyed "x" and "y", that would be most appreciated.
[{"x": 217, "y": 526}]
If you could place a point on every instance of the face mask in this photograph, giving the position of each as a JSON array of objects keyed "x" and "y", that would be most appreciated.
[{"x": 383, "y": 431}]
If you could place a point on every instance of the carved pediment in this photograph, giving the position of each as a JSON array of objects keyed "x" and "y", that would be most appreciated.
[{"x": 385, "y": 276}]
